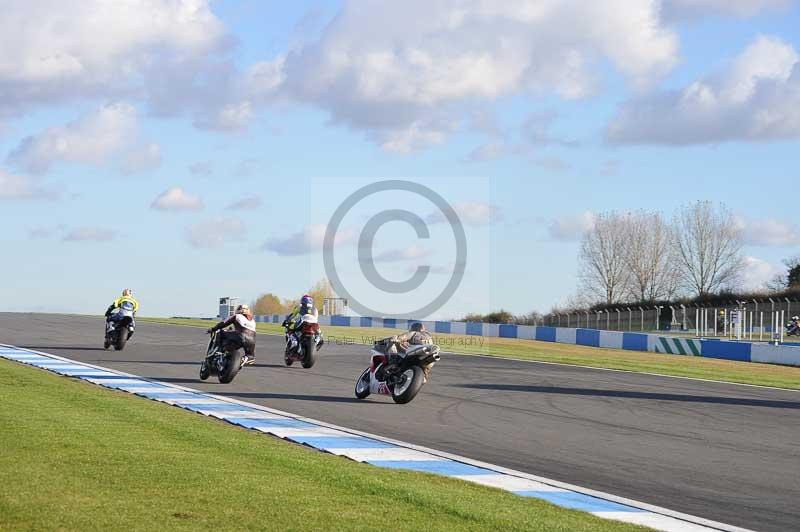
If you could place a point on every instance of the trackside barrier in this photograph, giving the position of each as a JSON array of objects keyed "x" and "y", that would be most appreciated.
[
  {"x": 671, "y": 345},
  {"x": 676, "y": 346}
]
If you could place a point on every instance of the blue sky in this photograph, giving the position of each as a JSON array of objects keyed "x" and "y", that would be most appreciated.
[{"x": 191, "y": 150}]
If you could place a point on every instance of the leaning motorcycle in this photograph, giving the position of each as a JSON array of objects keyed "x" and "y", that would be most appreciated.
[
  {"x": 792, "y": 329},
  {"x": 400, "y": 376},
  {"x": 222, "y": 361},
  {"x": 303, "y": 344},
  {"x": 119, "y": 326}
]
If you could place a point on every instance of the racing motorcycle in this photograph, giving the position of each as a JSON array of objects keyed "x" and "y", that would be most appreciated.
[
  {"x": 400, "y": 375},
  {"x": 303, "y": 344},
  {"x": 793, "y": 328},
  {"x": 119, "y": 326},
  {"x": 222, "y": 361}
]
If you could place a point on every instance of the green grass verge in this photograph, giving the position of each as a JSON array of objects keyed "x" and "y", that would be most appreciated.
[
  {"x": 79, "y": 457},
  {"x": 675, "y": 365}
]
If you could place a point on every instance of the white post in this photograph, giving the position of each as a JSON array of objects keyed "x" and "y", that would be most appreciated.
[
  {"x": 761, "y": 326},
  {"x": 751, "y": 324},
  {"x": 774, "y": 330},
  {"x": 739, "y": 323},
  {"x": 781, "y": 325},
  {"x": 716, "y": 312},
  {"x": 703, "y": 321}
]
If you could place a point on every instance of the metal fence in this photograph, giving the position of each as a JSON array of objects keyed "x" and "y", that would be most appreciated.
[{"x": 752, "y": 319}]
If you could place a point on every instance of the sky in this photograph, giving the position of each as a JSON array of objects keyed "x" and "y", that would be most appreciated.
[{"x": 196, "y": 149}]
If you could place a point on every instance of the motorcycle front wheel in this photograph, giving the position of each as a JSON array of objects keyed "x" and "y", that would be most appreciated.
[
  {"x": 362, "y": 385},
  {"x": 205, "y": 370},
  {"x": 409, "y": 385}
]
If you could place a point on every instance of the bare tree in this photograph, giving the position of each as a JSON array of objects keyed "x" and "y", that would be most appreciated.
[
  {"x": 602, "y": 269},
  {"x": 708, "y": 245},
  {"x": 531, "y": 318},
  {"x": 650, "y": 257},
  {"x": 790, "y": 279}
]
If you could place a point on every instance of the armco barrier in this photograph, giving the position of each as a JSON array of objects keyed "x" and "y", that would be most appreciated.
[{"x": 673, "y": 345}]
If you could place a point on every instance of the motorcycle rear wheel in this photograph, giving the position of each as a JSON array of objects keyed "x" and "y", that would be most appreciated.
[
  {"x": 122, "y": 337},
  {"x": 310, "y": 348},
  {"x": 232, "y": 367},
  {"x": 409, "y": 387},
  {"x": 362, "y": 385}
]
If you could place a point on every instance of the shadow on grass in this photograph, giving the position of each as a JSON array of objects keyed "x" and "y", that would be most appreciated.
[{"x": 622, "y": 394}]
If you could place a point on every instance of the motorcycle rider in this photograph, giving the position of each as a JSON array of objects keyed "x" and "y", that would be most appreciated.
[
  {"x": 295, "y": 318},
  {"x": 242, "y": 335},
  {"x": 398, "y": 345},
  {"x": 127, "y": 296},
  {"x": 793, "y": 326}
]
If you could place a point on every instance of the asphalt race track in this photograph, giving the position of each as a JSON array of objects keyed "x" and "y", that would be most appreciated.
[{"x": 724, "y": 452}]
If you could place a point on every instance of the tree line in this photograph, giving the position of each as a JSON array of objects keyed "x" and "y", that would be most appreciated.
[
  {"x": 643, "y": 257},
  {"x": 269, "y": 303}
]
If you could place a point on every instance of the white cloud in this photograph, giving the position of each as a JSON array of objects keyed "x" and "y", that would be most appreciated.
[
  {"x": 247, "y": 203},
  {"x": 571, "y": 227},
  {"x": 475, "y": 213},
  {"x": 264, "y": 78},
  {"x": 419, "y": 134},
  {"x": 309, "y": 240},
  {"x": 756, "y": 273},
  {"x": 141, "y": 158},
  {"x": 552, "y": 163},
  {"x": 231, "y": 117},
  {"x": 682, "y": 9},
  {"x": 536, "y": 130},
  {"x": 202, "y": 168},
  {"x": 90, "y": 234},
  {"x": 55, "y": 51},
  {"x": 93, "y": 138},
  {"x": 412, "y": 253},
  {"x": 246, "y": 167},
  {"x": 769, "y": 232},
  {"x": 215, "y": 232},
  {"x": 400, "y": 70},
  {"x": 756, "y": 98},
  {"x": 176, "y": 199},
  {"x": 19, "y": 187},
  {"x": 489, "y": 151}
]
